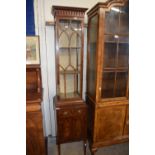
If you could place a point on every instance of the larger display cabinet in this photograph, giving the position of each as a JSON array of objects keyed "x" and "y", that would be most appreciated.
[
  {"x": 107, "y": 73},
  {"x": 70, "y": 109}
]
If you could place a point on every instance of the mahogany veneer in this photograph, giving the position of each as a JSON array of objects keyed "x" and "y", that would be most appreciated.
[{"x": 35, "y": 141}]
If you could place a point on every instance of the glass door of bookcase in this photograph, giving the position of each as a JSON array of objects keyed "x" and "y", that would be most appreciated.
[
  {"x": 116, "y": 53},
  {"x": 69, "y": 63}
]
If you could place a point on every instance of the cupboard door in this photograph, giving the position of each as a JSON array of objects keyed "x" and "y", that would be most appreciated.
[
  {"x": 72, "y": 124},
  {"x": 65, "y": 129},
  {"x": 35, "y": 144},
  {"x": 109, "y": 123},
  {"x": 126, "y": 128}
]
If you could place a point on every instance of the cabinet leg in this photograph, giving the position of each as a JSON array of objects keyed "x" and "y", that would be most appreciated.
[
  {"x": 84, "y": 147},
  {"x": 58, "y": 149},
  {"x": 93, "y": 151}
]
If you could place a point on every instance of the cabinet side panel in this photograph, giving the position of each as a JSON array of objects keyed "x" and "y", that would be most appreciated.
[
  {"x": 91, "y": 110},
  {"x": 35, "y": 143},
  {"x": 92, "y": 46},
  {"x": 126, "y": 128}
]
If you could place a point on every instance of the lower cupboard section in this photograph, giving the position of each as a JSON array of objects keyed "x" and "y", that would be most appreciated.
[
  {"x": 111, "y": 124},
  {"x": 35, "y": 142}
]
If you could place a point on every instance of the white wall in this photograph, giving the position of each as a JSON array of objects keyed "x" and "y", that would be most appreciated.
[{"x": 47, "y": 53}]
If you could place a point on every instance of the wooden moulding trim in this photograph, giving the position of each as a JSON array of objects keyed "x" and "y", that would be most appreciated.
[
  {"x": 52, "y": 23},
  {"x": 68, "y": 11},
  {"x": 103, "y": 143},
  {"x": 106, "y": 4},
  {"x": 112, "y": 103},
  {"x": 32, "y": 66},
  {"x": 33, "y": 108}
]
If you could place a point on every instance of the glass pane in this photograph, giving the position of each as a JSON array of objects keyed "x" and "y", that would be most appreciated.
[
  {"x": 63, "y": 24},
  {"x": 92, "y": 54},
  {"x": 78, "y": 83},
  {"x": 123, "y": 55},
  {"x": 75, "y": 40},
  {"x": 124, "y": 19},
  {"x": 76, "y": 26},
  {"x": 63, "y": 59},
  {"x": 69, "y": 85},
  {"x": 110, "y": 49},
  {"x": 62, "y": 84},
  {"x": 63, "y": 33},
  {"x": 69, "y": 34},
  {"x": 112, "y": 21},
  {"x": 108, "y": 84},
  {"x": 63, "y": 40},
  {"x": 121, "y": 83}
]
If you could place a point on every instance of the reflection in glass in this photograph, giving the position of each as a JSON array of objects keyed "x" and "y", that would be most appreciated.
[
  {"x": 121, "y": 83},
  {"x": 108, "y": 84},
  {"x": 110, "y": 54},
  {"x": 112, "y": 21},
  {"x": 123, "y": 55},
  {"x": 124, "y": 20}
]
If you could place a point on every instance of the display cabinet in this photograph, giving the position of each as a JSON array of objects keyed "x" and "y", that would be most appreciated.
[
  {"x": 71, "y": 110},
  {"x": 35, "y": 141},
  {"x": 107, "y": 73}
]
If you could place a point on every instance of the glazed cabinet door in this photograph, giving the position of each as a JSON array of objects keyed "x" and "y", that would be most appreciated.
[
  {"x": 35, "y": 143},
  {"x": 69, "y": 48},
  {"x": 115, "y": 53},
  {"x": 111, "y": 128}
]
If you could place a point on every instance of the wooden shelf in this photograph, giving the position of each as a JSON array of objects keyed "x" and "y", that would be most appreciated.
[
  {"x": 69, "y": 72},
  {"x": 115, "y": 42},
  {"x": 118, "y": 34},
  {"x": 52, "y": 23},
  {"x": 113, "y": 69},
  {"x": 69, "y": 48},
  {"x": 69, "y": 95}
]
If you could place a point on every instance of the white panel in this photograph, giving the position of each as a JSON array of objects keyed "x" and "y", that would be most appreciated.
[
  {"x": 44, "y": 69},
  {"x": 51, "y": 73},
  {"x": 84, "y": 63}
]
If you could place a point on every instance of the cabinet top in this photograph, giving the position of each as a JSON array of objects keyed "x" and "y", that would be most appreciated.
[
  {"x": 68, "y": 11},
  {"x": 105, "y": 5}
]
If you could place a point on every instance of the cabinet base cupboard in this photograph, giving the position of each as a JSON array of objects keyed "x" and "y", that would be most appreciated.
[{"x": 107, "y": 74}]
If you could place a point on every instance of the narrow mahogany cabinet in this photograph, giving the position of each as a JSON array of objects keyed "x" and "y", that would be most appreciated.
[
  {"x": 70, "y": 109},
  {"x": 35, "y": 141},
  {"x": 107, "y": 73}
]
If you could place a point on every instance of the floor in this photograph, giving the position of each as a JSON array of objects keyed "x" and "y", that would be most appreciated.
[{"x": 76, "y": 148}]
